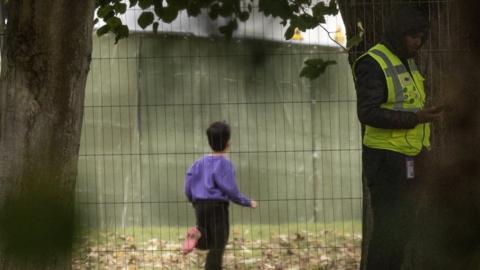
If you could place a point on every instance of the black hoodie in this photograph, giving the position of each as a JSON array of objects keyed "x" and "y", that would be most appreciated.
[{"x": 370, "y": 79}]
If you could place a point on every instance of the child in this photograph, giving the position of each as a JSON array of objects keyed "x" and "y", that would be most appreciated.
[{"x": 210, "y": 184}]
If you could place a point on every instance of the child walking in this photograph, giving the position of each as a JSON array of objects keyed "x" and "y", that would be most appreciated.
[{"x": 210, "y": 184}]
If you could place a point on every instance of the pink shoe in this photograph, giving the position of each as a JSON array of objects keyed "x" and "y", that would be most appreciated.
[{"x": 191, "y": 240}]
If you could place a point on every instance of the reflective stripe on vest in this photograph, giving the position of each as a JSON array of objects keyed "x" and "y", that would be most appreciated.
[
  {"x": 405, "y": 92},
  {"x": 393, "y": 72}
]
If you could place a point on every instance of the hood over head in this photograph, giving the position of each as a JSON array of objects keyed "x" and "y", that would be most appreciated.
[{"x": 406, "y": 20}]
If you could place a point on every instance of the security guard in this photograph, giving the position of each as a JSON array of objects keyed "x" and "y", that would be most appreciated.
[{"x": 396, "y": 131}]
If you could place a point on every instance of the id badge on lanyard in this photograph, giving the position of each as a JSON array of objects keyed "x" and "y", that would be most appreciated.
[{"x": 410, "y": 164}]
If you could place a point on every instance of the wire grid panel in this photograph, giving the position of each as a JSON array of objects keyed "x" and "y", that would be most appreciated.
[{"x": 295, "y": 144}]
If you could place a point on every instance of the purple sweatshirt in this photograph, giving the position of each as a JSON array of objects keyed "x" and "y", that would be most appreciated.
[{"x": 213, "y": 178}]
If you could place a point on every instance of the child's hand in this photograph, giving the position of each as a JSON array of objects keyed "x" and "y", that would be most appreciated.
[{"x": 253, "y": 204}]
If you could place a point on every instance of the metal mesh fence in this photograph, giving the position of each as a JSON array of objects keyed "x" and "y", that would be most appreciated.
[{"x": 295, "y": 144}]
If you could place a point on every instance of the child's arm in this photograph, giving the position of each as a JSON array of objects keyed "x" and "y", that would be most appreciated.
[
  {"x": 226, "y": 181},
  {"x": 188, "y": 180}
]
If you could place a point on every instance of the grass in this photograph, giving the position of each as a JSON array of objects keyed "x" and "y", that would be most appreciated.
[
  {"x": 251, "y": 246},
  {"x": 246, "y": 231}
]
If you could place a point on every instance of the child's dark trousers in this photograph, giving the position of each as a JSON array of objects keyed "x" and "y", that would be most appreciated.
[{"x": 212, "y": 222}]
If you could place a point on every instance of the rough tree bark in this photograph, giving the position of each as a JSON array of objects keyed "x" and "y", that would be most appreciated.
[
  {"x": 45, "y": 62},
  {"x": 447, "y": 235}
]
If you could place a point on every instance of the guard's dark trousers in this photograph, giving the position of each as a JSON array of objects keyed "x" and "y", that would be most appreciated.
[{"x": 393, "y": 205}]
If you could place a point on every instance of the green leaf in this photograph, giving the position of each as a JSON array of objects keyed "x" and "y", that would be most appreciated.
[
  {"x": 307, "y": 71},
  {"x": 193, "y": 9},
  {"x": 354, "y": 41},
  {"x": 226, "y": 10},
  {"x": 121, "y": 32},
  {"x": 158, "y": 8},
  {"x": 169, "y": 14},
  {"x": 276, "y": 8},
  {"x": 228, "y": 29},
  {"x": 304, "y": 2},
  {"x": 120, "y": 8},
  {"x": 103, "y": 12},
  {"x": 285, "y": 10},
  {"x": 315, "y": 67},
  {"x": 314, "y": 62},
  {"x": 305, "y": 21},
  {"x": 103, "y": 30},
  {"x": 145, "y": 19},
  {"x": 133, "y": 3},
  {"x": 113, "y": 22},
  {"x": 320, "y": 10},
  {"x": 144, "y": 4},
  {"x": 214, "y": 11},
  {"x": 178, "y": 4},
  {"x": 290, "y": 32},
  {"x": 243, "y": 16},
  {"x": 332, "y": 7}
]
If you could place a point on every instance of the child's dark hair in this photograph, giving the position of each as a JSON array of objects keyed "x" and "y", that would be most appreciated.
[{"x": 218, "y": 134}]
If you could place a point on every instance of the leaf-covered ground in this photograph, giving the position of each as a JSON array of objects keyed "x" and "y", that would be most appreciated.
[{"x": 295, "y": 250}]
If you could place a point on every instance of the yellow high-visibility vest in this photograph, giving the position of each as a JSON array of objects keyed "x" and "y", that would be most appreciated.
[{"x": 406, "y": 92}]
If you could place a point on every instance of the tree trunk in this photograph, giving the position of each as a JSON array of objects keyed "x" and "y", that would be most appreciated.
[
  {"x": 451, "y": 213},
  {"x": 45, "y": 62},
  {"x": 448, "y": 231},
  {"x": 371, "y": 14}
]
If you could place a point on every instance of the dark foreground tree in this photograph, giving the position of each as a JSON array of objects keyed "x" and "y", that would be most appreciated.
[{"x": 45, "y": 62}]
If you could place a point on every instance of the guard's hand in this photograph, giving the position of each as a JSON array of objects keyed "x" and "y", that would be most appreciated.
[
  {"x": 253, "y": 204},
  {"x": 429, "y": 114}
]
